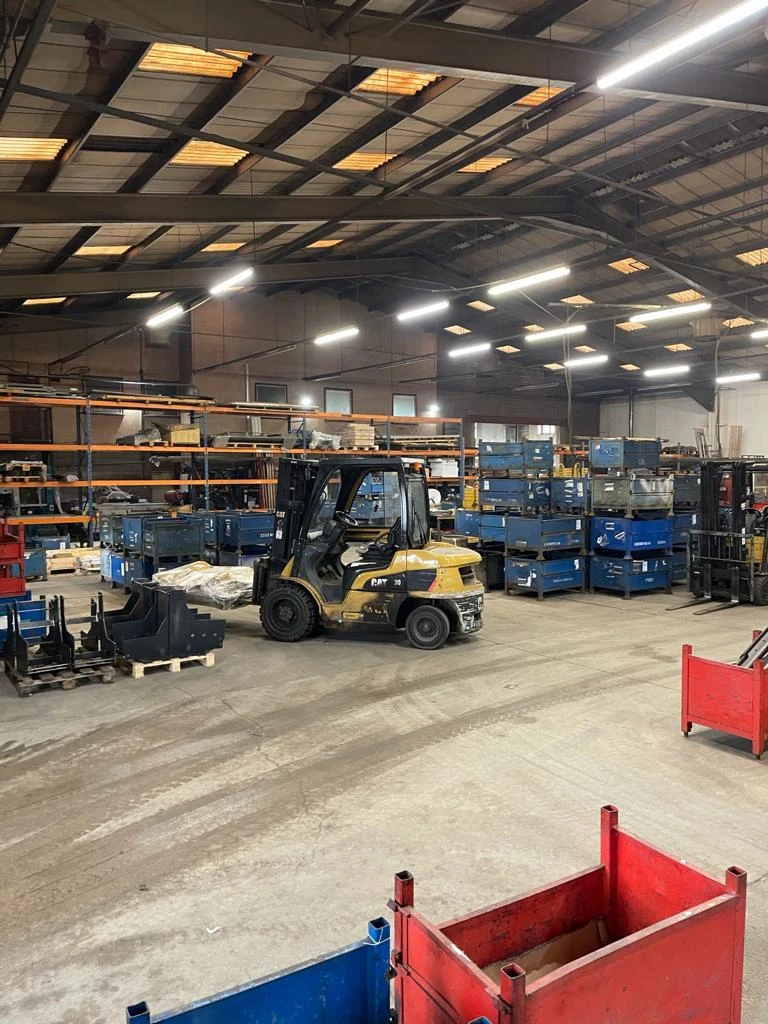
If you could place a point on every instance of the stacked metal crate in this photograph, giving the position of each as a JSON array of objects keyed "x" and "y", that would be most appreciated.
[
  {"x": 244, "y": 537},
  {"x": 136, "y": 566},
  {"x": 110, "y": 526},
  {"x": 514, "y": 477},
  {"x": 169, "y": 542},
  {"x": 631, "y": 530},
  {"x": 544, "y": 553}
]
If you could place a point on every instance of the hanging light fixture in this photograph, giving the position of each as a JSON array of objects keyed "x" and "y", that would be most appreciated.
[
  {"x": 689, "y": 309},
  {"x": 520, "y": 284},
  {"x": 341, "y": 335},
  {"x": 232, "y": 282},
  {"x": 558, "y": 332},
  {"x": 171, "y": 313},
  {"x": 413, "y": 314},
  {"x": 470, "y": 350}
]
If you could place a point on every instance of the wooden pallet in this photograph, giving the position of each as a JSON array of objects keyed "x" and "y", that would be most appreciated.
[
  {"x": 136, "y": 669},
  {"x": 27, "y": 685}
]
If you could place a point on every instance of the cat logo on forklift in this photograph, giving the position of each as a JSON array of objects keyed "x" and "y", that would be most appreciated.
[{"x": 396, "y": 582}]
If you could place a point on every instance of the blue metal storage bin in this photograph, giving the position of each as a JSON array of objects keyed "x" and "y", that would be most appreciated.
[
  {"x": 59, "y": 543},
  {"x": 240, "y": 531},
  {"x": 570, "y": 494},
  {"x": 544, "y": 577},
  {"x": 31, "y": 616},
  {"x": 210, "y": 529},
  {"x": 167, "y": 539},
  {"x": 254, "y": 553},
  {"x": 520, "y": 495},
  {"x": 468, "y": 522},
  {"x": 115, "y": 575},
  {"x": 111, "y": 529},
  {"x": 350, "y": 986},
  {"x": 546, "y": 533},
  {"x": 105, "y": 564},
  {"x": 624, "y": 453},
  {"x": 682, "y": 524},
  {"x": 491, "y": 527},
  {"x": 629, "y": 536},
  {"x": 35, "y": 564},
  {"x": 679, "y": 566},
  {"x": 687, "y": 492},
  {"x": 517, "y": 456},
  {"x": 136, "y": 568},
  {"x": 628, "y": 575}
]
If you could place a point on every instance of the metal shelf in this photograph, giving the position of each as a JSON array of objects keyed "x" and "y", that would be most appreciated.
[
  {"x": 63, "y": 484},
  {"x": 45, "y": 520}
]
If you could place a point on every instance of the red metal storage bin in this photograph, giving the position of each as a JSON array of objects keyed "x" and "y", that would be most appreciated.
[
  {"x": 641, "y": 939},
  {"x": 725, "y": 697},
  {"x": 13, "y": 581}
]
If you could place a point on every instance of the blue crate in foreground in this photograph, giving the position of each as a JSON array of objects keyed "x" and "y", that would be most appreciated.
[
  {"x": 544, "y": 534},
  {"x": 629, "y": 536},
  {"x": 350, "y": 986}
]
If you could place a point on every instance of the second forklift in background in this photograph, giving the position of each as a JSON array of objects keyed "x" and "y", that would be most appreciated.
[{"x": 728, "y": 552}]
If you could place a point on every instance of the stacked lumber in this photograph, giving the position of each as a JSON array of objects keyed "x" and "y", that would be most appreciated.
[
  {"x": 70, "y": 559},
  {"x": 358, "y": 435}
]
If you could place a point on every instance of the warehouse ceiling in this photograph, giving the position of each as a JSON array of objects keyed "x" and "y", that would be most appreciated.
[{"x": 395, "y": 152}]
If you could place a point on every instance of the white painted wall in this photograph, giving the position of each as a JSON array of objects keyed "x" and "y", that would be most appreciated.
[{"x": 675, "y": 417}]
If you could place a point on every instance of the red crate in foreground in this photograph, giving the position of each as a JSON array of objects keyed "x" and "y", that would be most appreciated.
[
  {"x": 726, "y": 697},
  {"x": 641, "y": 938}
]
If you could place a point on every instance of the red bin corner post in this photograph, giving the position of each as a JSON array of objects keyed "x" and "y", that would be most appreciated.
[
  {"x": 642, "y": 937},
  {"x": 726, "y": 697}
]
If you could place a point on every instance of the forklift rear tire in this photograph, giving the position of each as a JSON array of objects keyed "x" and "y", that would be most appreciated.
[
  {"x": 289, "y": 614},
  {"x": 761, "y": 590},
  {"x": 427, "y": 627}
]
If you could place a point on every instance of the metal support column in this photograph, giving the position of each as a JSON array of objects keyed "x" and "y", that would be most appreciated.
[
  {"x": 89, "y": 469},
  {"x": 205, "y": 461}
]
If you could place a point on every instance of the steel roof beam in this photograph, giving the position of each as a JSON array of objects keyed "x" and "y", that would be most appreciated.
[
  {"x": 36, "y": 27},
  {"x": 80, "y": 208},
  {"x": 446, "y": 48},
  {"x": 99, "y": 282}
]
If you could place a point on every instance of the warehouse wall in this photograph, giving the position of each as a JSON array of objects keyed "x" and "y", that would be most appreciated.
[
  {"x": 254, "y": 324},
  {"x": 675, "y": 417},
  {"x": 515, "y": 407}
]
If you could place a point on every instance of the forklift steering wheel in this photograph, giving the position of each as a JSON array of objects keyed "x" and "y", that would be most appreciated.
[{"x": 345, "y": 518}]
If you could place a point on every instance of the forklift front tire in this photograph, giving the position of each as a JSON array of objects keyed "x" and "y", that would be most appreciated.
[
  {"x": 427, "y": 627},
  {"x": 289, "y": 614}
]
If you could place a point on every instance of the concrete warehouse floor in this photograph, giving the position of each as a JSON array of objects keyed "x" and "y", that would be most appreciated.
[{"x": 167, "y": 838}]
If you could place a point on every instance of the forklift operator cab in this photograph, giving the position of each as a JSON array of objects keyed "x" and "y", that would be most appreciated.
[{"x": 352, "y": 548}]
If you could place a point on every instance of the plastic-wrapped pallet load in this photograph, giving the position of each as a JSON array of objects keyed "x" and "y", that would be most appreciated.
[{"x": 218, "y": 586}]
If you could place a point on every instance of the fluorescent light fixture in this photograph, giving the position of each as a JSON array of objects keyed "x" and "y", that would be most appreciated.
[
  {"x": 521, "y": 283},
  {"x": 417, "y": 311},
  {"x": 558, "y": 332},
  {"x": 574, "y": 364},
  {"x": 759, "y": 334},
  {"x": 738, "y": 378},
  {"x": 685, "y": 41},
  {"x": 470, "y": 350},
  {"x": 306, "y": 401},
  {"x": 673, "y": 370},
  {"x": 433, "y": 410},
  {"x": 171, "y": 313},
  {"x": 341, "y": 335},
  {"x": 232, "y": 282},
  {"x": 690, "y": 309}
]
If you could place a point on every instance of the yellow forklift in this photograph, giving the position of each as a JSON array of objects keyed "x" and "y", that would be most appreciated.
[{"x": 352, "y": 548}]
